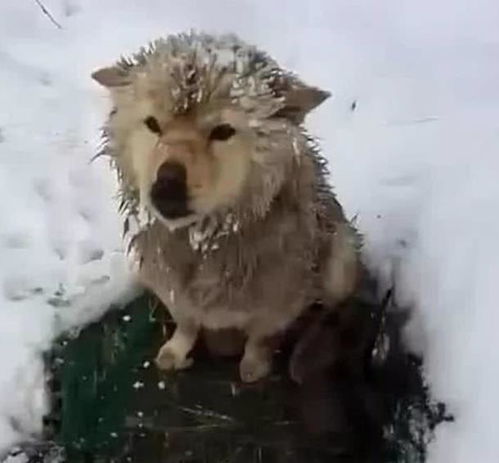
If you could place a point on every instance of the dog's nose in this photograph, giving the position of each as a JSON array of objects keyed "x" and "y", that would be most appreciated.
[
  {"x": 171, "y": 174},
  {"x": 169, "y": 191}
]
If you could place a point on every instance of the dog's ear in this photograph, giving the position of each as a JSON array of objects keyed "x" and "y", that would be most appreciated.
[
  {"x": 299, "y": 99},
  {"x": 112, "y": 77}
]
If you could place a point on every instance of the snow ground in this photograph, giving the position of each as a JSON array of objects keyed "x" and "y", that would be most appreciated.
[{"x": 416, "y": 161}]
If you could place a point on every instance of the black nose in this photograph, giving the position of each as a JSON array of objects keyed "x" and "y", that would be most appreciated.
[
  {"x": 172, "y": 174},
  {"x": 169, "y": 191}
]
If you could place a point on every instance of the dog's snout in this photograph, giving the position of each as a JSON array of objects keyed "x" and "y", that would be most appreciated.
[
  {"x": 171, "y": 173},
  {"x": 169, "y": 191}
]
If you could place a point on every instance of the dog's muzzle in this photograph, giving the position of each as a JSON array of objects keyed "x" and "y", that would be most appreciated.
[{"x": 169, "y": 191}]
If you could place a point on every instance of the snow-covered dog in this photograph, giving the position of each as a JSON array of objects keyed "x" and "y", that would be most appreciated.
[{"x": 242, "y": 230}]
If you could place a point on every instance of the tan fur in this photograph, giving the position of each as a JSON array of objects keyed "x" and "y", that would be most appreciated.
[
  {"x": 340, "y": 275},
  {"x": 266, "y": 237}
]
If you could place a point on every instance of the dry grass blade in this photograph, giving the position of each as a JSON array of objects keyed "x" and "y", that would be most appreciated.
[{"x": 48, "y": 14}]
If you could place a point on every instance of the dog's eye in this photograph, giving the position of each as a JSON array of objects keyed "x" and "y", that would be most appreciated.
[
  {"x": 222, "y": 132},
  {"x": 152, "y": 124}
]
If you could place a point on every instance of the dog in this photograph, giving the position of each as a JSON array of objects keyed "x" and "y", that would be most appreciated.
[{"x": 236, "y": 226}]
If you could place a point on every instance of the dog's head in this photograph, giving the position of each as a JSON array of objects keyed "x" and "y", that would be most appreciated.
[{"x": 202, "y": 124}]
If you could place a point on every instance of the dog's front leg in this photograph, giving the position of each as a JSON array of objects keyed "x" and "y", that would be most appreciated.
[
  {"x": 257, "y": 358},
  {"x": 173, "y": 354}
]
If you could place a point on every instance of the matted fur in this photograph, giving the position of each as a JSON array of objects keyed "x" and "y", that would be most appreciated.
[{"x": 266, "y": 236}]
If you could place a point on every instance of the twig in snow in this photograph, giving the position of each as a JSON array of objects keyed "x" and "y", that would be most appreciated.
[{"x": 48, "y": 14}]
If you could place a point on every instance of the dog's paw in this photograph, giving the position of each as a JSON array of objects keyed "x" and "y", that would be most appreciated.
[
  {"x": 169, "y": 359},
  {"x": 253, "y": 369}
]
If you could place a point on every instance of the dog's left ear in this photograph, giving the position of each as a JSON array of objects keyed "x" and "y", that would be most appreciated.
[
  {"x": 111, "y": 77},
  {"x": 300, "y": 99}
]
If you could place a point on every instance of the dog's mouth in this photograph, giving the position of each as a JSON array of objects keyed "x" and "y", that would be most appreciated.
[
  {"x": 172, "y": 209},
  {"x": 178, "y": 223}
]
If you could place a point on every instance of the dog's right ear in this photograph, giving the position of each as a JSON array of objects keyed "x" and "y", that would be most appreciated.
[
  {"x": 298, "y": 98},
  {"x": 112, "y": 77}
]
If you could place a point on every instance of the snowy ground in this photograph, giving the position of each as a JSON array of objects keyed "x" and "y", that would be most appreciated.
[{"x": 416, "y": 160}]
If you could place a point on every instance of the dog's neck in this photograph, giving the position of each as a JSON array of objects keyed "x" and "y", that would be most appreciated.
[{"x": 204, "y": 235}]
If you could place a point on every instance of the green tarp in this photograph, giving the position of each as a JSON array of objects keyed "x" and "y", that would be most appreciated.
[{"x": 110, "y": 404}]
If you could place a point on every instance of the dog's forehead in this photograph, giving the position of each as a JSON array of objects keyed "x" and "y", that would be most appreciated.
[
  {"x": 195, "y": 70},
  {"x": 205, "y": 51}
]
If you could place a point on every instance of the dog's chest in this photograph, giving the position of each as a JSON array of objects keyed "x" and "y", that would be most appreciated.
[
  {"x": 224, "y": 281},
  {"x": 210, "y": 279}
]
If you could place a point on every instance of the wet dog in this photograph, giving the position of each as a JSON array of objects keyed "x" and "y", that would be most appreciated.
[{"x": 236, "y": 225}]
